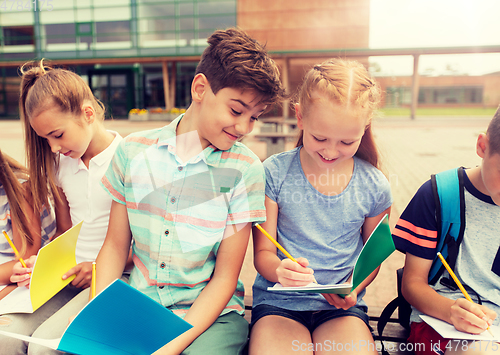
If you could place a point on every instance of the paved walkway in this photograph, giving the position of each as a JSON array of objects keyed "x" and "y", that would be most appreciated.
[{"x": 411, "y": 150}]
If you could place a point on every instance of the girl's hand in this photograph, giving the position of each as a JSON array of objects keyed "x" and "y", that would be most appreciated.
[
  {"x": 470, "y": 317},
  {"x": 22, "y": 275},
  {"x": 339, "y": 302},
  {"x": 83, "y": 272},
  {"x": 290, "y": 273}
]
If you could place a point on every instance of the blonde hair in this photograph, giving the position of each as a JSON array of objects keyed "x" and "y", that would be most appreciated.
[
  {"x": 43, "y": 88},
  {"x": 10, "y": 173},
  {"x": 347, "y": 83}
]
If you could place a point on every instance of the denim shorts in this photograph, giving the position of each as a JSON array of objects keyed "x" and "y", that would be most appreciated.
[{"x": 309, "y": 319}]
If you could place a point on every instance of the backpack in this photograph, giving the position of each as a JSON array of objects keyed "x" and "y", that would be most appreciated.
[{"x": 448, "y": 191}]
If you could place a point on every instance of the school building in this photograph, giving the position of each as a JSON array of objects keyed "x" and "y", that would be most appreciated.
[
  {"x": 143, "y": 53},
  {"x": 443, "y": 91}
]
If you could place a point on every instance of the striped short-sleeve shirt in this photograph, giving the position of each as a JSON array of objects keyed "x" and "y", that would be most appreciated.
[
  {"x": 47, "y": 221},
  {"x": 178, "y": 211}
]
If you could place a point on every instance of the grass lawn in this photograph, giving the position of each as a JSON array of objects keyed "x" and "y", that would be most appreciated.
[{"x": 444, "y": 111}]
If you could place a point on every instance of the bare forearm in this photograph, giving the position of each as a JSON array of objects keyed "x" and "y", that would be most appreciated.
[
  {"x": 116, "y": 248},
  {"x": 428, "y": 301},
  {"x": 266, "y": 263},
  {"x": 110, "y": 262},
  {"x": 6, "y": 272}
]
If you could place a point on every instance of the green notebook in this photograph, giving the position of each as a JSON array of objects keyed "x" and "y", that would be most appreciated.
[{"x": 377, "y": 248}]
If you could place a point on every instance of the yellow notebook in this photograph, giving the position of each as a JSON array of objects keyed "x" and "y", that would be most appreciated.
[{"x": 53, "y": 261}]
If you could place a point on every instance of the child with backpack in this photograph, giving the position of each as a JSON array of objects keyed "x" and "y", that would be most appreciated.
[{"x": 461, "y": 221}]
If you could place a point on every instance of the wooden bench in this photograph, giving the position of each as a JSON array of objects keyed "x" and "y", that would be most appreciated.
[{"x": 394, "y": 336}]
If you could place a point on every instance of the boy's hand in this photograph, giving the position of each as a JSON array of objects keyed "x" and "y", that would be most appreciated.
[
  {"x": 22, "y": 275},
  {"x": 470, "y": 317},
  {"x": 339, "y": 302},
  {"x": 290, "y": 273},
  {"x": 83, "y": 272}
]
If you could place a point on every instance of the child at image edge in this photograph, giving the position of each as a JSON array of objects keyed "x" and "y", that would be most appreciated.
[
  {"x": 186, "y": 195},
  {"x": 68, "y": 151},
  {"x": 17, "y": 219},
  {"x": 323, "y": 200},
  {"x": 477, "y": 264}
]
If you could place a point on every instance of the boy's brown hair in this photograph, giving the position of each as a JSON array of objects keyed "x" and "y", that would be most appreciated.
[
  {"x": 493, "y": 133},
  {"x": 235, "y": 60}
]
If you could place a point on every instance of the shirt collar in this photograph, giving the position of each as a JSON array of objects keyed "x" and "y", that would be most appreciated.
[
  {"x": 101, "y": 158},
  {"x": 167, "y": 138}
]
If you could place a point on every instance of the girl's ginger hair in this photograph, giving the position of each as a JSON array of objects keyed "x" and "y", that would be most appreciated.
[
  {"x": 17, "y": 195},
  {"x": 347, "y": 83},
  {"x": 43, "y": 88}
]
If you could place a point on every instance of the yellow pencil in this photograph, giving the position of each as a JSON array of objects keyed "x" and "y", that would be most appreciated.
[
  {"x": 92, "y": 283},
  {"x": 457, "y": 281},
  {"x": 15, "y": 250},
  {"x": 287, "y": 254}
]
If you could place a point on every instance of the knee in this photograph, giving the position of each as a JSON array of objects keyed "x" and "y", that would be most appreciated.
[
  {"x": 10, "y": 346},
  {"x": 35, "y": 349}
]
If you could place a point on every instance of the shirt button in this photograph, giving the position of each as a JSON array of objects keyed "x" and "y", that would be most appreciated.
[
  {"x": 167, "y": 232},
  {"x": 172, "y": 200},
  {"x": 162, "y": 265},
  {"x": 179, "y": 168}
]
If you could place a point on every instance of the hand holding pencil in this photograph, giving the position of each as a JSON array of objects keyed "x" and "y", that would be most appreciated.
[
  {"x": 19, "y": 276},
  {"x": 290, "y": 257},
  {"x": 465, "y": 306},
  {"x": 18, "y": 256}
]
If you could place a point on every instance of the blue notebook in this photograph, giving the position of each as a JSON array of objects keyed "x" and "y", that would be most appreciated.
[{"x": 120, "y": 320}]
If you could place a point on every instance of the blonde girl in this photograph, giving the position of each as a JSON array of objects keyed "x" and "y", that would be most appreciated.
[
  {"x": 68, "y": 152},
  {"x": 323, "y": 199},
  {"x": 26, "y": 227}
]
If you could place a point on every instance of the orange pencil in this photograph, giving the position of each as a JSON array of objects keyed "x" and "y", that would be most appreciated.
[
  {"x": 15, "y": 250},
  {"x": 457, "y": 281},
  {"x": 287, "y": 254},
  {"x": 92, "y": 282}
]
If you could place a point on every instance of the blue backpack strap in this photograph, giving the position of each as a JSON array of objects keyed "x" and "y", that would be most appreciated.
[{"x": 450, "y": 214}]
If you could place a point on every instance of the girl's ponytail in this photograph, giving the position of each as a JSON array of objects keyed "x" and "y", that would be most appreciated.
[
  {"x": 43, "y": 88},
  {"x": 42, "y": 163}
]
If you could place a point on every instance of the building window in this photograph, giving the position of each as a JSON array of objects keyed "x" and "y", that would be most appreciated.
[
  {"x": 18, "y": 35},
  {"x": 450, "y": 95},
  {"x": 397, "y": 96},
  {"x": 112, "y": 31}
]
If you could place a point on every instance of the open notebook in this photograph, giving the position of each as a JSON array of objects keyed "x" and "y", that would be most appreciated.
[
  {"x": 119, "y": 321},
  {"x": 448, "y": 331},
  {"x": 377, "y": 248},
  {"x": 53, "y": 261}
]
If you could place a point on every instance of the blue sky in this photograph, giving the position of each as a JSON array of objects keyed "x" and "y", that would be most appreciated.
[{"x": 435, "y": 23}]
